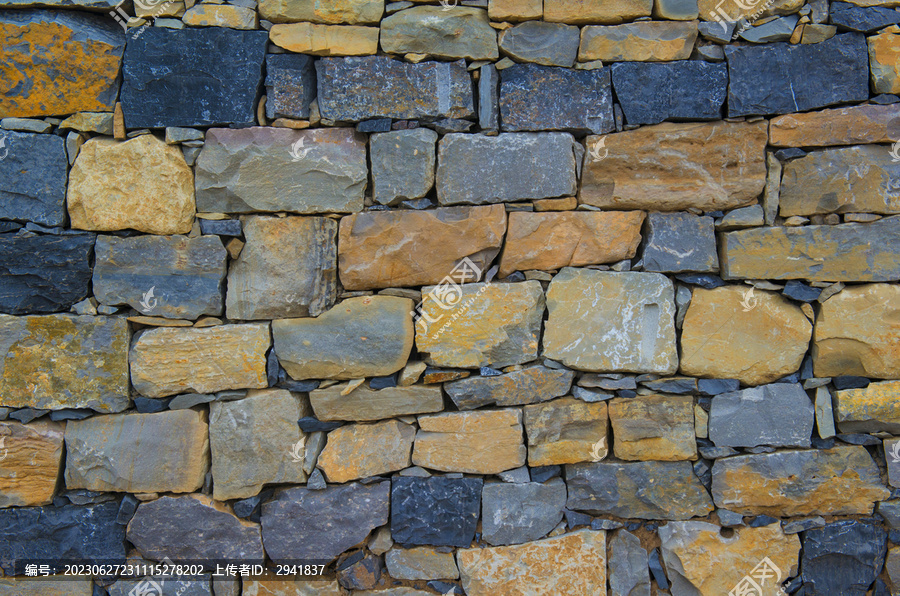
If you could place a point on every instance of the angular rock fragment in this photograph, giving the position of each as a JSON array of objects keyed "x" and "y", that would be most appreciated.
[
  {"x": 402, "y": 164},
  {"x": 364, "y": 404},
  {"x": 653, "y": 427},
  {"x": 435, "y": 511},
  {"x": 527, "y": 386},
  {"x": 443, "y": 31},
  {"x": 839, "y": 126},
  {"x": 420, "y": 563},
  {"x": 883, "y": 62},
  {"x": 351, "y": 12},
  {"x": 517, "y": 513},
  {"x": 875, "y": 408},
  {"x": 628, "y": 566},
  {"x": 290, "y": 85},
  {"x": 566, "y": 431},
  {"x": 680, "y": 242},
  {"x": 363, "y": 450},
  {"x": 32, "y": 457},
  {"x": 844, "y": 557},
  {"x": 656, "y": 41},
  {"x": 33, "y": 178},
  {"x": 484, "y": 442},
  {"x": 778, "y": 415},
  {"x": 548, "y": 44}
]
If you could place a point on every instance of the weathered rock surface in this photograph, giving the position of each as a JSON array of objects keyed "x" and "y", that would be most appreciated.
[
  {"x": 839, "y": 126},
  {"x": 290, "y": 85},
  {"x": 325, "y": 40},
  {"x": 363, "y": 450},
  {"x": 170, "y": 360},
  {"x": 351, "y": 12},
  {"x": 288, "y": 268},
  {"x": 443, "y": 31},
  {"x": 539, "y": 98},
  {"x": 321, "y": 524},
  {"x": 138, "y": 453},
  {"x": 44, "y": 274},
  {"x": 611, "y": 322},
  {"x": 33, "y": 178},
  {"x": 574, "y": 563},
  {"x": 61, "y": 361},
  {"x": 420, "y": 563},
  {"x": 32, "y": 456},
  {"x": 883, "y": 60},
  {"x": 165, "y": 276},
  {"x": 656, "y": 41},
  {"x": 642, "y": 490},
  {"x": 566, "y": 431},
  {"x": 653, "y": 427},
  {"x": 845, "y": 252},
  {"x": 596, "y": 11},
  {"x": 365, "y": 404},
  {"x": 514, "y": 10},
  {"x": 484, "y": 442},
  {"x": 527, "y": 386},
  {"x": 434, "y": 243},
  {"x": 402, "y": 164},
  {"x": 844, "y": 557},
  {"x": 517, "y": 513},
  {"x": 856, "y": 332},
  {"x": 360, "y": 88},
  {"x": 778, "y": 415},
  {"x": 679, "y": 242},
  {"x": 435, "y": 511},
  {"x": 839, "y": 481},
  {"x": 26, "y": 586},
  {"x": 628, "y": 575},
  {"x": 192, "y": 77},
  {"x": 251, "y": 442},
  {"x": 220, "y": 15},
  {"x": 279, "y": 169},
  {"x": 672, "y": 167},
  {"x": 875, "y": 408},
  {"x": 476, "y": 169},
  {"x": 780, "y": 78},
  {"x": 193, "y": 527},
  {"x": 480, "y": 324},
  {"x": 862, "y": 18},
  {"x": 716, "y": 317},
  {"x": 87, "y": 48},
  {"x": 548, "y": 44}
]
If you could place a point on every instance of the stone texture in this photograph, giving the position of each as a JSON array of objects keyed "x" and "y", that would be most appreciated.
[
  {"x": 780, "y": 78},
  {"x": 517, "y": 513},
  {"x": 173, "y": 585},
  {"x": 611, "y": 322},
  {"x": 682, "y": 90},
  {"x": 845, "y": 252},
  {"x": 839, "y": 481},
  {"x": 435, "y": 511},
  {"x": 417, "y": 248},
  {"x": 165, "y": 276},
  {"x": 170, "y": 360},
  {"x": 656, "y": 41},
  {"x": 680, "y": 242},
  {"x": 884, "y": 60},
  {"x": 840, "y": 126},
  {"x": 250, "y": 441},
  {"x": 476, "y": 169},
  {"x": 193, "y": 527},
  {"x": 288, "y": 268},
  {"x": 859, "y": 18},
  {"x": 367, "y": 336},
  {"x": 138, "y": 453},
  {"x": 596, "y": 11},
  {"x": 364, "y": 404},
  {"x": 628, "y": 575},
  {"x": 279, "y": 169},
  {"x": 514, "y": 10},
  {"x": 361, "y": 88},
  {"x": 857, "y": 333},
  {"x": 290, "y": 85},
  {"x": 192, "y": 77},
  {"x": 774, "y": 335},
  {"x": 574, "y": 563},
  {"x": 26, "y": 586},
  {"x": 40, "y": 44},
  {"x": 485, "y": 442},
  {"x": 549, "y": 44},
  {"x": 875, "y": 408},
  {"x": 363, "y": 450},
  {"x": 642, "y": 490},
  {"x": 420, "y": 563},
  {"x": 779, "y": 415},
  {"x": 441, "y": 31},
  {"x": 351, "y": 12},
  {"x": 653, "y": 427},
  {"x": 844, "y": 557},
  {"x": 671, "y": 167},
  {"x": 847, "y": 179},
  {"x": 33, "y": 178},
  {"x": 527, "y": 386},
  {"x": 566, "y": 431},
  {"x": 30, "y": 466},
  {"x": 325, "y": 40},
  {"x": 61, "y": 361},
  {"x": 71, "y": 533},
  {"x": 402, "y": 164},
  {"x": 44, "y": 274},
  {"x": 299, "y": 523},
  {"x": 480, "y": 324},
  {"x": 691, "y": 549},
  {"x": 541, "y": 98}
]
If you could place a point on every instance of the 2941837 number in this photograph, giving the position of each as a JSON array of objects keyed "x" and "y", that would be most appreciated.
[{"x": 299, "y": 569}]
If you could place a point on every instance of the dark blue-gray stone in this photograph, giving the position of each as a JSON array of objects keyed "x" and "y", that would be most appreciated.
[
  {"x": 221, "y": 227},
  {"x": 527, "y": 386},
  {"x": 656, "y": 569},
  {"x": 851, "y": 382},
  {"x": 762, "y": 520},
  {"x": 437, "y": 511},
  {"x": 76, "y": 533},
  {"x": 298, "y": 386},
  {"x": 383, "y": 382},
  {"x": 779, "y": 415},
  {"x": 705, "y": 281},
  {"x": 517, "y": 513},
  {"x": 375, "y": 125},
  {"x": 290, "y": 85},
  {"x": 576, "y": 518},
  {"x": 489, "y": 98},
  {"x": 26, "y": 415},
  {"x": 842, "y": 558},
  {"x": 717, "y": 386},
  {"x": 858, "y": 18},
  {"x": 192, "y": 77},
  {"x": 146, "y": 405},
  {"x": 797, "y": 290},
  {"x": 779, "y": 29},
  {"x": 127, "y": 508},
  {"x": 536, "y": 98},
  {"x": 545, "y": 473},
  {"x": 33, "y": 178},
  {"x": 70, "y": 414},
  {"x": 782, "y": 78},
  {"x": 678, "y": 385},
  {"x": 548, "y": 44},
  {"x": 859, "y": 439},
  {"x": 44, "y": 274},
  {"x": 312, "y": 425},
  {"x": 885, "y": 99},
  {"x": 785, "y": 155},
  {"x": 650, "y": 93},
  {"x": 679, "y": 242}
]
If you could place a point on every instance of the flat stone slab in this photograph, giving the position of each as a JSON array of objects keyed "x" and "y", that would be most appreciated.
[
  {"x": 778, "y": 415},
  {"x": 566, "y": 431},
  {"x": 548, "y": 44},
  {"x": 655, "y": 41},
  {"x": 862, "y": 18},
  {"x": 852, "y": 125},
  {"x": 869, "y": 409},
  {"x": 517, "y": 513},
  {"x": 435, "y": 511},
  {"x": 527, "y": 386},
  {"x": 653, "y": 427},
  {"x": 844, "y": 557},
  {"x": 448, "y": 31},
  {"x": 352, "y": 12},
  {"x": 365, "y": 404},
  {"x": 363, "y": 450},
  {"x": 680, "y": 242},
  {"x": 33, "y": 178},
  {"x": 402, "y": 164}
]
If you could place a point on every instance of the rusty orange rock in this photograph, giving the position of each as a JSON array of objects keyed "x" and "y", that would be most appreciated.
[
  {"x": 606, "y": 12},
  {"x": 840, "y": 126},
  {"x": 30, "y": 464},
  {"x": 644, "y": 41},
  {"x": 484, "y": 442},
  {"x": 884, "y": 60},
  {"x": 653, "y": 427}
]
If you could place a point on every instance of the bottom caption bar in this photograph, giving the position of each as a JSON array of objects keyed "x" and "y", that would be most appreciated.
[{"x": 154, "y": 573}]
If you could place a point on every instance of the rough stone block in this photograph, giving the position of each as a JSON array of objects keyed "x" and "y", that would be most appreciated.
[
  {"x": 839, "y": 126},
  {"x": 549, "y": 44},
  {"x": 527, "y": 386},
  {"x": 351, "y": 12},
  {"x": 421, "y": 563},
  {"x": 435, "y": 511},
  {"x": 653, "y": 427},
  {"x": 589, "y": 12},
  {"x": 844, "y": 557},
  {"x": 680, "y": 242},
  {"x": 884, "y": 61},
  {"x": 364, "y": 450},
  {"x": 33, "y": 178},
  {"x": 32, "y": 459},
  {"x": 449, "y": 31},
  {"x": 517, "y": 513},
  {"x": 778, "y": 415},
  {"x": 365, "y": 404},
  {"x": 654, "y": 41},
  {"x": 566, "y": 431},
  {"x": 290, "y": 85},
  {"x": 875, "y": 408},
  {"x": 402, "y": 164},
  {"x": 325, "y": 40}
]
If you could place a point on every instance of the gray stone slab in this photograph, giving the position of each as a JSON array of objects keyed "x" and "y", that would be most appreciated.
[
  {"x": 33, "y": 178},
  {"x": 778, "y": 415},
  {"x": 517, "y": 513}
]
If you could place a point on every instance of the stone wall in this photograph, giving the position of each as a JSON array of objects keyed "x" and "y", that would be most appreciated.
[{"x": 504, "y": 297}]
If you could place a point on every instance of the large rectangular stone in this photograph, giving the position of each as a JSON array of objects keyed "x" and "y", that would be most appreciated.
[
  {"x": 476, "y": 169},
  {"x": 653, "y": 427},
  {"x": 585, "y": 12},
  {"x": 845, "y": 252},
  {"x": 33, "y": 178},
  {"x": 439, "y": 511},
  {"x": 483, "y": 442},
  {"x": 566, "y": 431},
  {"x": 360, "y": 88},
  {"x": 655, "y": 41},
  {"x": 674, "y": 167},
  {"x": 853, "y": 125},
  {"x": 776, "y": 415},
  {"x": 62, "y": 361},
  {"x": 364, "y": 404},
  {"x": 31, "y": 462},
  {"x": 780, "y": 78}
]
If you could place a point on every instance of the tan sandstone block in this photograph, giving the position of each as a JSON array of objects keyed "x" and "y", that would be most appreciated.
[
  {"x": 839, "y": 126},
  {"x": 566, "y": 431},
  {"x": 483, "y": 442},
  {"x": 653, "y": 427},
  {"x": 363, "y": 450},
  {"x": 607, "y": 12},
  {"x": 644, "y": 41},
  {"x": 515, "y": 10},
  {"x": 325, "y": 40},
  {"x": 30, "y": 460}
]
